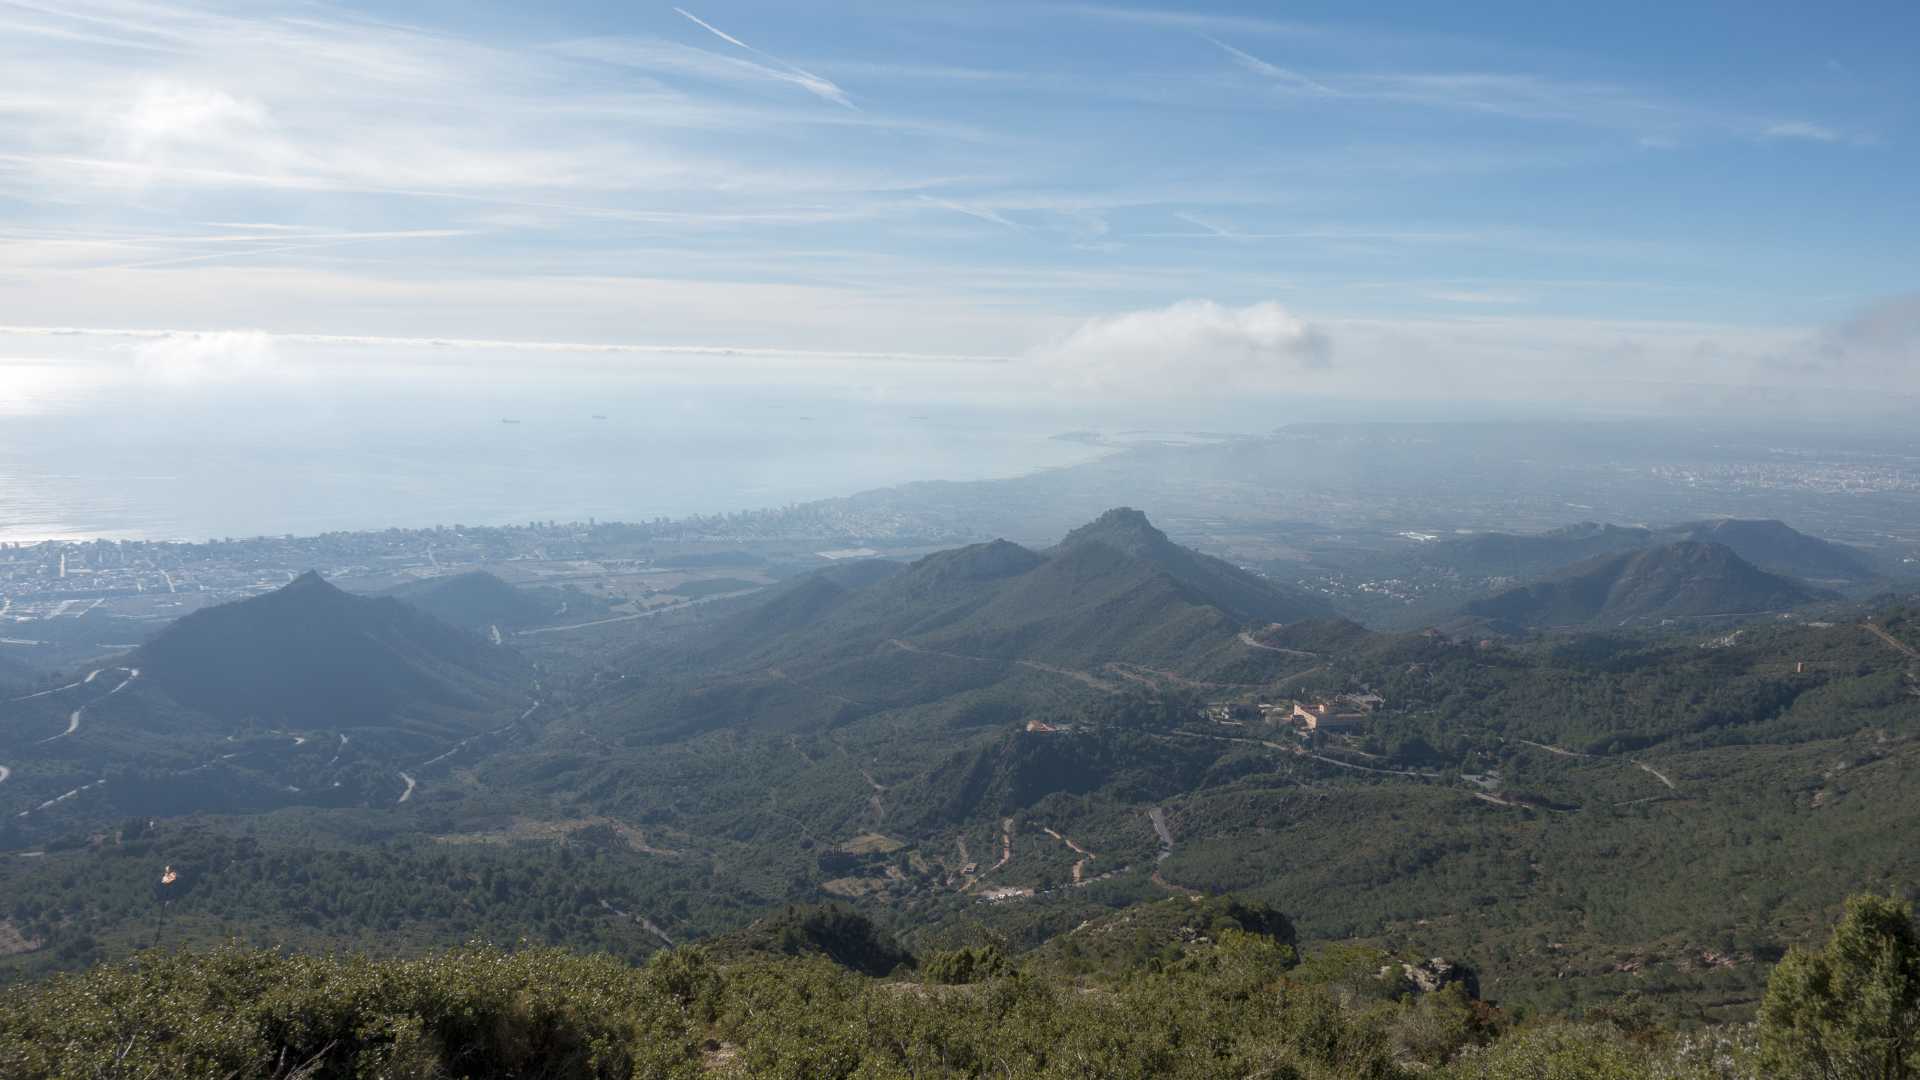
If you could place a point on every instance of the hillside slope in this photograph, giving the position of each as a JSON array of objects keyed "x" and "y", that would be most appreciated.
[
  {"x": 477, "y": 600},
  {"x": 1780, "y": 548},
  {"x": 849, "y": 641},
  {"x": 1679, "y": 580},
  {"x": 309, "y": 653}
]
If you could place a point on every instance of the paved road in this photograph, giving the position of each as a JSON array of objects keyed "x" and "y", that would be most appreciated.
[
  {"x": 62, "y": 798},
  {"x": 73, "y": 718},
  {"x": 55, "y": 690}
]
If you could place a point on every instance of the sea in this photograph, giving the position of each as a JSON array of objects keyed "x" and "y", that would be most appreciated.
[{"x": 135, "y": 461}]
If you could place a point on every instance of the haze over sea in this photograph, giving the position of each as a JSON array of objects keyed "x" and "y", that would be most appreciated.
[{"x": 131, "y": 461}]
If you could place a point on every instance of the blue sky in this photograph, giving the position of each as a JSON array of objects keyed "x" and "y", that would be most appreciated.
[{"x": 1199, "y": 200}]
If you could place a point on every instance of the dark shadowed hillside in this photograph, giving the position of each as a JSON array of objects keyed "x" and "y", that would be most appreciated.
[
  {"x": 1775, "y": 546},
  {"x": 478, "y": 600},
  {"x": 312, "y": 654},
  {"x": 1527, "y": 555},
  {"x": 1207, "y": 580},
  {"x": 1679, "y": 580},
  {"x": 1770, "y": 545}
]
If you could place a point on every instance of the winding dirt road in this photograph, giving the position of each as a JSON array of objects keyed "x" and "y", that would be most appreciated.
[
  {"x": 1086, "y": 856},
  {"x": 1553, "y": 749},
  {"x": 1086, "y": 678},
  {"x": 1247, "y": 639},
  {"x": 1006, "y": 845},
  {"x": 1910, "y": 652},
  {"x": 1159, "y": 819},
  {"x": 1657, "y": 775}
]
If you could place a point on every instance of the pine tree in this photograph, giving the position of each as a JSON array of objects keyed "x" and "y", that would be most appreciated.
[{"x": 1852, "y": 1010}]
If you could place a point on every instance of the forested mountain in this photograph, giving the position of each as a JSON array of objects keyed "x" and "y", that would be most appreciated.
[
  {"x": 1116, "y": 588},
  {"x": 995, "y": 617},
  {"x": 1202, "y": 577},
  {"x": 304, "y": 695},
  {"x": 985, "y": 750},
  {"x": 1686, "y": 579},
  {"x": 1496, "y": 554},
  {"x": 1771, "y": 545},
  {"x": 310, "y": 653},
  {"x": 1775, "y": 546},
  {"x": 478, "y": 600},
  {"x": 16, "y": 674}
]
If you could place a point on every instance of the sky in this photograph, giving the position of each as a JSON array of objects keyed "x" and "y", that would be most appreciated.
[{"x": 1624, "y": 206}]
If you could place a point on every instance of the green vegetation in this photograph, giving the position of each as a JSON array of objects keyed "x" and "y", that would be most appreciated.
[
  {"x": 1851, "y": 1010},
  {"x": 992, "y": 753},
  {"x": 1686, "y": 579},
  {"x": 1233, "y": 1004},
  {"x": 694, "y": 590},
  {"x": 309, "y": 654},
  {"x": 478, "y": 600}
]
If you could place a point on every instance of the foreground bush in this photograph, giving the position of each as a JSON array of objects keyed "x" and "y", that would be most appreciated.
[
  {"x": 1232, "y": 1005},
  {"x": 244, "y": 1013},
  {"x": 1850, "y": 1011}
]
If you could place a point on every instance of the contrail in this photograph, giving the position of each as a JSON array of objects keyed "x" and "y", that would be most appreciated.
[
  {"x": 1272, "y": 71},
  {"x": 980, "y": 212},
  {"x": 1211, "y": 227},
  {"x": 717, "y": 32},
  {"x": 807, "y": 79}
]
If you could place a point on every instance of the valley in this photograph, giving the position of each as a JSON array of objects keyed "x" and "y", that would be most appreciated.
[{"x": 990, "y": 744}]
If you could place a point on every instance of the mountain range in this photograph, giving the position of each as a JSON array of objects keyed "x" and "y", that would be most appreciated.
[
  {"x": 478, "y": 600},
  {"x": 991, "y": 744},
  {"x": 1684, "y": 579},
  {"x": 1770, "y": 545},
  {"x": 303, "y": 694},
  {"x": 979, "y": 620}
]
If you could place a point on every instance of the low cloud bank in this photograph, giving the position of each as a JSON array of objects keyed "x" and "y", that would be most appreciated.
[
  {"x": 1192, "y": 348},
  {"x": 1196, "y": 358},
  {"x": 215, "y": 356},
  {"x": 1879, "y": 344}
]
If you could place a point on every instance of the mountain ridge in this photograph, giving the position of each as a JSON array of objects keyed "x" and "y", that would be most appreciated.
[
  {"x": 310, "y": 652},
  {"x": 1683, "y": 579}
]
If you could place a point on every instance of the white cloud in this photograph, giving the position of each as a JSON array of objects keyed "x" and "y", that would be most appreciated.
[
  {"x": 1800, "y": 129},
  {"x": 1194, "y": 348},
  {"x": 213, "y": 352},
  {"x": 218, "y": 356},
  {"x": 1877, "y": 347}
]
